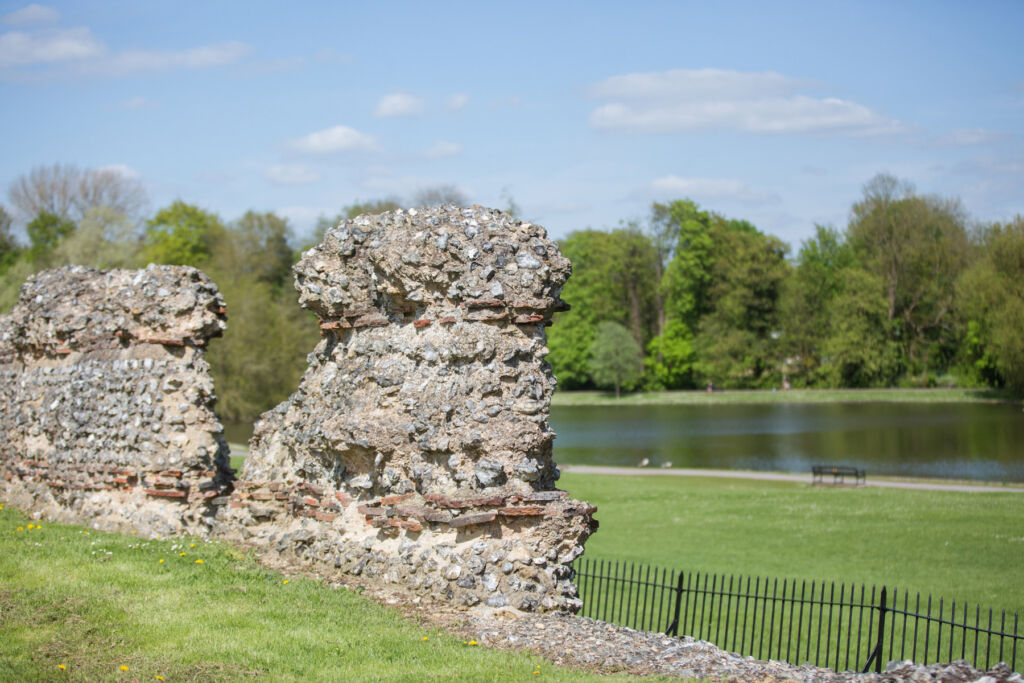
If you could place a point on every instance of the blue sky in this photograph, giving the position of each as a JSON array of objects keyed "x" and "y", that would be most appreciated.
[{"x": 584, "y": 112}]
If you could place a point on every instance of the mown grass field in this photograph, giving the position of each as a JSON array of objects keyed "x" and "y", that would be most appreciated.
[
  {"x": 587, "y": 398},
  {"x": 967, "y": 546},
  {"x": 79, "y": 605}
]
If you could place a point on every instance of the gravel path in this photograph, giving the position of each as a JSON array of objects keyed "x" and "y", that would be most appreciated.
[{"x": 778, "y": 476}]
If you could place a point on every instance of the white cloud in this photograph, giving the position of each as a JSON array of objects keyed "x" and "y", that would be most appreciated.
[
  {"x": 456, "y": 102},
  {"x": 334, "y": 140},
  {"x": 80, "y": 51},
  {"x": 693, "y": 84},
  {"x": 399, "y": 104},
  {"x": 767, "y": 102},
  {"x": 710, "y": 188},
  {"x": 443, "y": 149},
  {"x": 192, "y": 58},
  {"x": 291, "y": 174},
  {"x": 32, "y": 14},
  {"x": 123, "y": 170},
  {"x": 48, "y": 47}
]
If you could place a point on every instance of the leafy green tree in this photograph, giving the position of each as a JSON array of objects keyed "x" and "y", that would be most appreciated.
[
  {"x": 615, "y": 358},
  {"x": 258, "y": 244},
  {"x": 569, "y": 340},
  {"x": 262, "y": 355},
  {"x": 9, "y": 248},
  {"x": 736, "y": 339},
  {"x": 805, "y": 299},
  {"x": 12, "y": 279},
  {"x": 613, "y": 280},
  {"x": 685, "y": 246},
  {"x": 45, "y": 231},
  {"x": 991, "y": 296},
  {"x": 105, "y": 238},
  {"x": 860, "y": 351},
  {"x": 182, "y": 234},
  {"x": 670, "y": 357},
  {"x": 918, "y": 246}
]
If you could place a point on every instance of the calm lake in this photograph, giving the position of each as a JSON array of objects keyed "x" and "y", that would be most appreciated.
[
  {"x": 943, "y": 440},
  {"x": 954, "y": 441}
]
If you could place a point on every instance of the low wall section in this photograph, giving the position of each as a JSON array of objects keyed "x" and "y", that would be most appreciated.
[
  {"x": 416, "y": 449},
  {"x": 107, "y": 414}
]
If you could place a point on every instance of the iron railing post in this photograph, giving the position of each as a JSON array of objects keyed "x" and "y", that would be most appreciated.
[
  {"x": 673, "y": 628},
  {"x": 876, "y": 655}
]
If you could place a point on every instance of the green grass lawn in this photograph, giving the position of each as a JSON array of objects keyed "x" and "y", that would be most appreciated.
[
  {"x": 108, "y": 607},
  {"x": 967, "y": 546},
  {"x": 586, "y": 398}
]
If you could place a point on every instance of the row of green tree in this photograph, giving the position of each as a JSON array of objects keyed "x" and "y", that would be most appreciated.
[{"x": 910, "y": 293}]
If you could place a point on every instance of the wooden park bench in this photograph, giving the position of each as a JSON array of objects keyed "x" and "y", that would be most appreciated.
[{"x": 839, "y": 473}]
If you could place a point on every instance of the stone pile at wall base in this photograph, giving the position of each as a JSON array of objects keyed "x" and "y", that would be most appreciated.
[
  {"x": 416, "y": 449},
  {"x": 107, "y": 402}
]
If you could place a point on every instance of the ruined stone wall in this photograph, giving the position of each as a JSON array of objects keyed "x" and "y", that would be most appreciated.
[
  {"x": 106, "y": 403},
  {"x": 417, "y": 448}
]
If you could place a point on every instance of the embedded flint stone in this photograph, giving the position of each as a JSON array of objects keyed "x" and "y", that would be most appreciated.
[
  {"x": 426, "y": 403},
  {"x": 108, "y": 401}
]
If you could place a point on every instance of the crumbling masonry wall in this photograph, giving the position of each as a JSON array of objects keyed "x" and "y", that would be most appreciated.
[
  {"x": 107, "y": 403},
  {"x": 417, "y": 448}
]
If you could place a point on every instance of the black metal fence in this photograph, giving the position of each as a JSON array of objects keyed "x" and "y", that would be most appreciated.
[{"x": 838, "y": 626}]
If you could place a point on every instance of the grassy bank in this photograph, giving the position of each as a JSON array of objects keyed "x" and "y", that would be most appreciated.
[
  {"x": 88, "y": 606},
  {"x": 588, "y": 398},
  {"x": 967, "y": 546}
]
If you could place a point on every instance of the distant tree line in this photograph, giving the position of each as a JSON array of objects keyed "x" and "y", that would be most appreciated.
[{"x": 908, "y": 294}]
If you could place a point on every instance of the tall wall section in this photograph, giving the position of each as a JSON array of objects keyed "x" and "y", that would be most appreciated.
[
  {"x": 106, "y": 403},
  {"x": 417, "y": 448}
]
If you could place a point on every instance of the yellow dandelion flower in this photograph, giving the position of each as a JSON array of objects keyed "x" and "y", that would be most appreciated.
[
  {"x": 536, "y": 672},
  {"x": 133, "y": 533},
  {"x": 38, "y": 527},
  {"x": 473, "y": 642},
  {"x": 199, "y": 561},
  {"x": 1, "y": 506},
  {"x": 31, "y": 526},
  {"x": 62, "y": 667},
  {"x": 159, "y": 677},
  {"x": 124, "y": 668},
  {"x": 21, "y": 528},
  {"x": 424, "y": 637},
  {"x": 181, "y": 554},
  {"x": 161, "y": 560},
  {"x": 192, "y": 546},
  {"x": 285, "y": 581}
]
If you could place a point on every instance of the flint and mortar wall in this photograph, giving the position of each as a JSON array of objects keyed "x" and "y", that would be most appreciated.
[
  {"x": 107, "y": 403},
  {"x": 417, "y": 449}
]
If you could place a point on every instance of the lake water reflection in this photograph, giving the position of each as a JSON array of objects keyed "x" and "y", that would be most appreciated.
[{"x": 958, "y": 441}]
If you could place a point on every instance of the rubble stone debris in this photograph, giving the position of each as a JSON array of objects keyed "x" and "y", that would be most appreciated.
[
  {"x": 416, "y": 449},
  {"x": 108, "y": 402}
]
